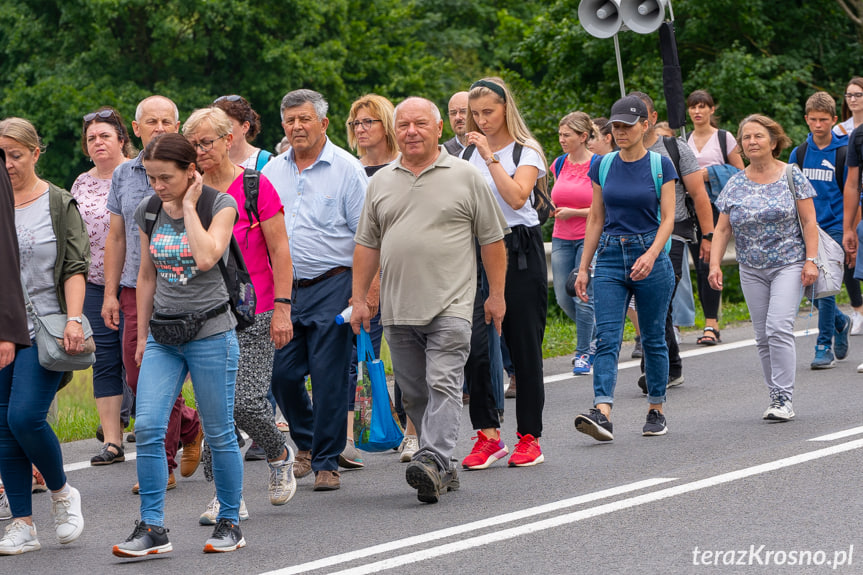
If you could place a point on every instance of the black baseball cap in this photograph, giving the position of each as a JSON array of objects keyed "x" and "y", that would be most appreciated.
[{"x": 628, "y": 110}]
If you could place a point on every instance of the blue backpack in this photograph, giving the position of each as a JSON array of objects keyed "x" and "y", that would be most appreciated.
[{"x": 655, "y": 171}]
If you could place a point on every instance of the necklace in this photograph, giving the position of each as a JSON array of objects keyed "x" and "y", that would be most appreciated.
[{"x": 33, "y": 199}]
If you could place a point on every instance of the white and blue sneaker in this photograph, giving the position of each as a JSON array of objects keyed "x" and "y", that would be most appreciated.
[
  {"x": 582, "y": 365},
  {"x": 824, "y": 358}
]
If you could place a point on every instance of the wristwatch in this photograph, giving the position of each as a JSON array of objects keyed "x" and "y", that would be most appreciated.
[
  {"x": 76, "y": 318},
  {"x": 813, "y": 260},
  {"x": 494, "y": 159},
  {"x": 708, "y": 237}
]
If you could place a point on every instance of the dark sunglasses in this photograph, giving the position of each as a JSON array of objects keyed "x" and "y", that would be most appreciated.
[
  {"x": 104, "y": 114},
  {"x": 231, "y": 98}
]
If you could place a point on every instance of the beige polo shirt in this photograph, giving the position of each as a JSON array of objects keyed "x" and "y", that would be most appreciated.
[{"x": 424, "y": 227}]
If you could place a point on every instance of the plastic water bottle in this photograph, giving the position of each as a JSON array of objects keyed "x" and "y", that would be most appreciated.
[{"x": 345, "y": 316}]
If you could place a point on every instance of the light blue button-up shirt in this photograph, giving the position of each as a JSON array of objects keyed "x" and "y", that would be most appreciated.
[
  {"x": 129, "y": 187},
  {"x": 322, "y": 207}
]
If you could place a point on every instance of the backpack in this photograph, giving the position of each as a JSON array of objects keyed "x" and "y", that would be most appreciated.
[
  {"x": 841, "y": 154},
  {"x": 263, "y": 157},
  {"x": 251, "y": 189},
  {"x": 241, "y": 292},
  {"x": 655, "y": 172},
  {"x": 540, "y": 200}
]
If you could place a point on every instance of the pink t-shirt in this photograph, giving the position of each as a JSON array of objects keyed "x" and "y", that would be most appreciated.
[
  {"x": 91, "y": 193},
  {"x": 572, "y": 189},
  {"x": 252, "y": 242},
  {"x": 711, "y": 153}
]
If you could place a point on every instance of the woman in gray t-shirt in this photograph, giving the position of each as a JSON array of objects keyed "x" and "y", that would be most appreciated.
[{"x": 179, "y": 281}]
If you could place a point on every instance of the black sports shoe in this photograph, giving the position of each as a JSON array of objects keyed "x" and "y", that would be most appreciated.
[
  {"x": 226, "y": 537},
  {"x": 655, "y": 424},
  {"x": 423, "y": 475},
  {"x": 595, "y": 424},
  {"x": 144, "y": 540},
  {"x": 673, "y": 381}
]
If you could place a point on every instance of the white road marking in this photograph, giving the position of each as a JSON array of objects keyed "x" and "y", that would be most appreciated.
[
  {"x": 839, "y": 434},
  {"x": 498, "y": 536},
  {"x": 468, "y": 527},
  {"x": 86, "y": 464}
]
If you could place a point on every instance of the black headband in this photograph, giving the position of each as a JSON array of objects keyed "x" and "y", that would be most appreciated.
[{"x": 491, "y": 86}]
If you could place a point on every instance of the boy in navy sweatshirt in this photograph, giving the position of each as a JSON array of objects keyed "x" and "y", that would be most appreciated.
[{"x": 822, "y": 159}]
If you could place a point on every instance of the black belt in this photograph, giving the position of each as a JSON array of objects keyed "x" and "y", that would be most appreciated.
[{"x": 326, "y": 275}]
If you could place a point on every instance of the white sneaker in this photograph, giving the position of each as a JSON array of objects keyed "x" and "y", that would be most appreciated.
[
  {"x": 780, "y": 409},
  {"x": 209, "y": 517},
  {"x": 282, "y": 484},
  {"x": 5, "y": 511},
  {"x": 856, "y": 323},
  {"x": 68, "y": 520},
  {"x": 19, "y": 538},
  {"x": 410, "y": 445},
  {"x": 860, "y": 368}
]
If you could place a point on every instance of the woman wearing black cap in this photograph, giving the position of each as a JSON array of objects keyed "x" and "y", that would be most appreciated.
[{"x": 630, "y": 221}]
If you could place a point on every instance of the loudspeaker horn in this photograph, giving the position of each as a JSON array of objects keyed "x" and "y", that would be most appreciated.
[
  {"x": 600, "y": 18},
  {"x": 643, "y": 16}
]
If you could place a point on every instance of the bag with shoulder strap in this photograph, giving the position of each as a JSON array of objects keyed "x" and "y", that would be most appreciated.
[
  {"x": 830, "y": 254},
  {"x": 238, "y": 281}
]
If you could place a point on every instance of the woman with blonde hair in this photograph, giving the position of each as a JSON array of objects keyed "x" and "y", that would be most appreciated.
[
  {"x": 502, "y": 148},
  {"x": 572, "y": 195}
]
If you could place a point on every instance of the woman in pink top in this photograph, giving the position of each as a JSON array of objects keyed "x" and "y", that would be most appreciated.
[
  {"x": 260, "y": 231},
  {"x": 106, "y": 142},
  {"x": 704, "y": 141},
  {"x": 573, "y": 194}
]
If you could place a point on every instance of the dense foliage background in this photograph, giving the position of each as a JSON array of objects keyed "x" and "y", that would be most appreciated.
[{"x": 61, "y": 60}]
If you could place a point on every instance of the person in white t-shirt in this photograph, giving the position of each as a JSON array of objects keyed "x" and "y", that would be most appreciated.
[{"x": 852, "y": 108}]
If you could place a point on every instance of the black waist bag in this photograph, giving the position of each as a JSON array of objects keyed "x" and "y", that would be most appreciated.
[{"x": 181, "y": 328}]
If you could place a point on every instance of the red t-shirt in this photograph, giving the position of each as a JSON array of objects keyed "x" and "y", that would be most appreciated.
[
  {"x": 252, "y": 242},
  {"x": 572, "y": 189}
]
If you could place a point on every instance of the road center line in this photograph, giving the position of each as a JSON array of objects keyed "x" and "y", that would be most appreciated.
[
  {"x": 468, "y": 527},
  {"x": 521, "y": 530},
  {"x": 839, "y": 434}
]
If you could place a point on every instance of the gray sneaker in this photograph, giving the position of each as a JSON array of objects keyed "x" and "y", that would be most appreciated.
[
  {"x": 655, "y": 424},
  {"x": 282, "y": 484},
  {"x": 5, "y": 511},
  {"x": 780, "y": 408},
  {"x": 209, "y": 516},
  {"x": 350, "y": 457},
  {"x": 144, "y": 540},
  {"x": 226, "y": 537}
]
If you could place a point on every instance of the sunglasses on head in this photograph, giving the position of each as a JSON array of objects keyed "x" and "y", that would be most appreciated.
[
  {"x": 104, "y": 114},
  {"x": 231, "y": 98}
]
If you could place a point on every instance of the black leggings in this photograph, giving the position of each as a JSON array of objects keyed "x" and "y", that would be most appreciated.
[
  {"x": 710, "y": 298},
  {"x": 852, "y": 286}
]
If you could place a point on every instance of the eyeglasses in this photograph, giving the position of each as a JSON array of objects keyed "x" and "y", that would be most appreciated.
[
  {"x": 207, "y": 145},
  {"x": 231, "y": 98},
  {"x": 365, "y": 123},
  {"x": 853, "y": 95},
  {"x": 104, "y": 114}
]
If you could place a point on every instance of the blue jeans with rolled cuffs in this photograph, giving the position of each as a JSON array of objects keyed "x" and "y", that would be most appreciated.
[
  {"x": 565, "y": 257},
  {"x": 212, "y": 363},
  {"x": 612, "y": 291}
]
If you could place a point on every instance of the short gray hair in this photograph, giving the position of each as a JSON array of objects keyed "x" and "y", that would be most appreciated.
[
  {"x": 140, "y": 109},
  {"x": 300, "y": 97},
  {"x": 432, "y": 107}
]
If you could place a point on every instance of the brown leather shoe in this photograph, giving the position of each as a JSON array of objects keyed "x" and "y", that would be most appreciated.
[
  {"x": 302, "y": 464},
  {"x": 191, "y": 455},
  {"x": 326, "y": 480},
  {"x": 172, "y": 484}
]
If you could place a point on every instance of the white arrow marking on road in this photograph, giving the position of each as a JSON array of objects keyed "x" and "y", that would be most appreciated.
[{"x": 513, "y": 532}]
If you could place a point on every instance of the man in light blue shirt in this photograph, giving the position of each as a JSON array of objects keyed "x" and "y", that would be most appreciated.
[{"x": 322, "y": 188}]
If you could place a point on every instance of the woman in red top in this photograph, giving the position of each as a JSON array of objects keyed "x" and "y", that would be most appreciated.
[{"x": 573, "y": 194}]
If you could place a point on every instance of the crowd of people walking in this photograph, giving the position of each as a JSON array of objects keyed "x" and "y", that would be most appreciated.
[{"x": 438, "y": 249}]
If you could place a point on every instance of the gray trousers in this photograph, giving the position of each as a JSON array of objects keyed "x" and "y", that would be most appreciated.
[
  {"x": 773, "y": 297},
  {"x": 428, "y": 362}
]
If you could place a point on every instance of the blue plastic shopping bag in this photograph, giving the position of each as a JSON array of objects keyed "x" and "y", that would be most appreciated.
[{"x": 375, "y": 425}]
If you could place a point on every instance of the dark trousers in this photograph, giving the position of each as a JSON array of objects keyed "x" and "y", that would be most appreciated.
[
  {"x": 675, "y": 364},
  {"x": 322, "y": 349},
  {"x": 477, "y": 370},
  {"x": 526, "y": 297},
  {"x": 852, "y": 286},
  {"x": 709, "y": 297}
]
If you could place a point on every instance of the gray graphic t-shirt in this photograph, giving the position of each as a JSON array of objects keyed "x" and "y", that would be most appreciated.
[{"x": 37, "y": 247}]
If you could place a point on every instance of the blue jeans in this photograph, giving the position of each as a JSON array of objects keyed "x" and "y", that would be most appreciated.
[
  {"x": 26, "y": 392},
  {"x": 566, "y": 256},
  {"x": 830, "y": 318},
  {"x": 612, "y": 290},
  {"x": 108, "y": 369},
  {"x": 212, "y": 363}
]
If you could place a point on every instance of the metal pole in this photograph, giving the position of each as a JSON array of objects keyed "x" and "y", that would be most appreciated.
[{"x": 619, "y": 66}]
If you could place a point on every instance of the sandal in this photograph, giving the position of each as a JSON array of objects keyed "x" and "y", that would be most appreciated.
[
  {"x": 710, "y": 337},
  {"x": 107, "y": 457}
]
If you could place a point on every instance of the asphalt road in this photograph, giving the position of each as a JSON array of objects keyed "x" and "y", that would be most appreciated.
[{"x": 722, "y": 492}]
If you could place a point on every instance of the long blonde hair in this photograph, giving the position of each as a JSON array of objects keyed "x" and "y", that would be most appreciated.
[
  {"x": 381, "y": 109},
  {"x": 515, "y": 125}
]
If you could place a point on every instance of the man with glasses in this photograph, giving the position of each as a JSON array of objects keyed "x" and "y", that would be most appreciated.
[
  {"x": 129, "y": 187},
  {"x": 458, "y": 123},
  {"x": 322, "y": 188}
]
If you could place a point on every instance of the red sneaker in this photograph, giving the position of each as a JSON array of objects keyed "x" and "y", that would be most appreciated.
[
  {"x": 485, "y": 452},
  {"x": 527, "y": 452}
]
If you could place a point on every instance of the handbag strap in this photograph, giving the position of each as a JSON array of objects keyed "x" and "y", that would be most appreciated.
[
  {"x": 28, "y": 303},
  {"x": 789, "y": 169}
]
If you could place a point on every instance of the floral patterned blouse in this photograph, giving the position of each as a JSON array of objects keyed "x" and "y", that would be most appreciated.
[
  {"x": 91, "y": 194},
  {"x": 764, "y": 219}
]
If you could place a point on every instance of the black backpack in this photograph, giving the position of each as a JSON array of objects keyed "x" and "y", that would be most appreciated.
[
  {"x": 241, "y": 292},
  {"x": 540, "y": 200},
  {"x": 841, "y": 154}
]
